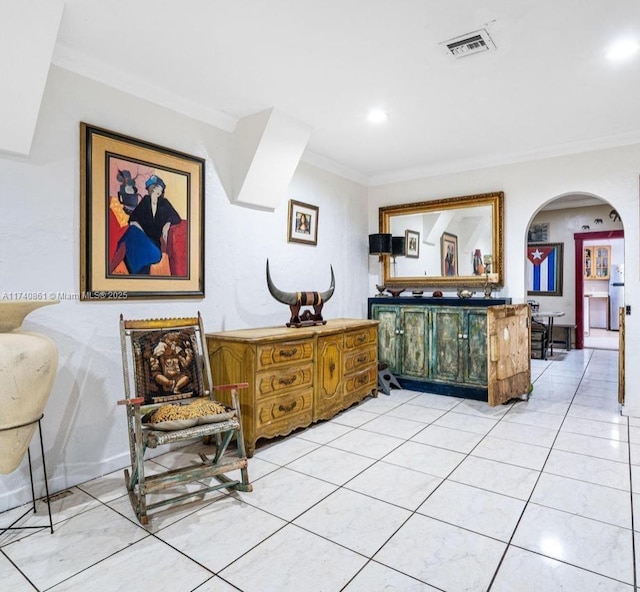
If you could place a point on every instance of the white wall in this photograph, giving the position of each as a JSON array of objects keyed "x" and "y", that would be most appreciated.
[
  {"x": 84, "y": 431},
  {"x": 611, "y": 175}
]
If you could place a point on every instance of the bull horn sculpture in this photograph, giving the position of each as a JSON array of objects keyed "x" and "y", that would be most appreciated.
[{"x": 296, "y": 300}]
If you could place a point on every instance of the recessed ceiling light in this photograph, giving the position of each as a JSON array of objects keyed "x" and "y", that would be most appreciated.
[
  {"x": 622, "y": 49},
  {"x": 377, "y": 115}
]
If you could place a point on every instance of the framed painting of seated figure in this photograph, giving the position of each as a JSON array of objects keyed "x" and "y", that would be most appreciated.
[{"x": 141, "y": 219}]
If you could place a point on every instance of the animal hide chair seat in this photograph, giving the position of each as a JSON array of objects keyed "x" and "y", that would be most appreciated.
[{"x": 166, "y": 372}]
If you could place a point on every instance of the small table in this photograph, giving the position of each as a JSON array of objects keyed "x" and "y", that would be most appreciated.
[{"x": 549, "y": 315}]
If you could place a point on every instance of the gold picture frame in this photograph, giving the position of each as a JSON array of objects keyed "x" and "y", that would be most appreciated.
[
  {"x": 412, "y": 244},
  {"x": 141, "y": 219},
  {"x": 302, "y": 223},
  {"x": 449, "y": 254}
]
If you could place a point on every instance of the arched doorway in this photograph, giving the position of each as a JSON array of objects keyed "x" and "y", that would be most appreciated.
[{"x": 573, "y": 221}]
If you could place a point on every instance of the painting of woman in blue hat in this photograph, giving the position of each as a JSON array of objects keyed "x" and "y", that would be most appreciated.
[{"x": 145, "y": 240}]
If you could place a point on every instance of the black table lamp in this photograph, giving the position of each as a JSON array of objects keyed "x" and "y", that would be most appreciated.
[{"x": 380, "y": 244}]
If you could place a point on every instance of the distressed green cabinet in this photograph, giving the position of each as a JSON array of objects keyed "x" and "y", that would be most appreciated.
[
  {"x": 442, "y": 345},
  {"x": 388, "y": 318},
  {"x": 403, "y": 337},
  {"x": 461, "y": 338}
]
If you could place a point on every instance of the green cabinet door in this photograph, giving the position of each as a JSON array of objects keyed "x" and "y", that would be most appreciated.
[
  {"x": 447, "y": 331},
  {"x": 459, "y": 345},
  {"x": 475, "y": 347},
  {"x": 388, "y": 318},
  {"x": 403, "y": 339},
  {"x": 414, "y": 333}
]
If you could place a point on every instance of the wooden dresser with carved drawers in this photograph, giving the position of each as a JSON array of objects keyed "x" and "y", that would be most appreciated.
[{"x": 296, "y": 376}]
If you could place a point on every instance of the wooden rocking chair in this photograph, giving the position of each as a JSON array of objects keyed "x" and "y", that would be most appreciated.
[{"x": 169, "y": 399}]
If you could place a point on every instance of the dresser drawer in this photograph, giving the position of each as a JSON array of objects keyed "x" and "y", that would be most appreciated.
[
  {"x": 283, "y": 379},
  {"x": 358, "y": 386},
  {"x": 365, "y": 380},
  {"x": 361, "y": 337},
  {"x": 284, "y": 410},
  {"x": 359, "y": 359},
  {"x": 284, "y": 352}
]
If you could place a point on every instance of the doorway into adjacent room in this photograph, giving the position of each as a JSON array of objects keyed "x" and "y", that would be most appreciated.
[
  {"x": 587, "y": 284},
  {"x": 600, "y": 287}
]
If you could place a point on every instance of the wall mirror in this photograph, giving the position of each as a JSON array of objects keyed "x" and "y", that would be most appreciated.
[{"x": 449, "y": 243}]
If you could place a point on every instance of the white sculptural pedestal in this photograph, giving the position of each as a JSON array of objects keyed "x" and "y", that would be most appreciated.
[{"x": 28, "y": 366}]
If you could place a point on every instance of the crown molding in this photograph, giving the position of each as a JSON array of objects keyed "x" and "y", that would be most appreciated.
[
  {"x": 461, "y": 166},
  {"x": 331, "y": 166},
  {"x": 72, "y": 60}
]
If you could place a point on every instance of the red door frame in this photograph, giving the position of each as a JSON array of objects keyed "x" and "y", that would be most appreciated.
[{"x": 579, "y": 238}]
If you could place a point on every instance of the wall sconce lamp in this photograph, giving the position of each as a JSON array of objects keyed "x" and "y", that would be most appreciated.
[{"x": 381, "y": 245}]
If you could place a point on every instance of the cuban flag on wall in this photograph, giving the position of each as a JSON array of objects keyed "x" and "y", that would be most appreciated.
[{"x": 541, "y": 268}]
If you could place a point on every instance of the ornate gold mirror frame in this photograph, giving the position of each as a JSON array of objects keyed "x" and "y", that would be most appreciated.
[{"x": 455, "y": 242}]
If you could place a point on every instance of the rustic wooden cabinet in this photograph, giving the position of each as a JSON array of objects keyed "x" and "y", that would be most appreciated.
[
  {"x": 296, "y": 376},
  {"x": 596, "y": 262},
  {"x": 475, "y": 348}
]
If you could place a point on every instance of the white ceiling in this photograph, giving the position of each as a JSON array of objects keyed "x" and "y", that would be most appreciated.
[{"x": 548, "y": 89}]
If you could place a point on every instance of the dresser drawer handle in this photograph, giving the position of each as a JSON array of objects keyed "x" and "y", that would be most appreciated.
[
  {"x": 362, "y": 379},
  {"x": 287, "y": 381},
  {"x": 287, "y": 408},
  {"x": 287, "y": 353},
  {"x": 361, "y": 359},
  {"x": 361, "y": 338}
]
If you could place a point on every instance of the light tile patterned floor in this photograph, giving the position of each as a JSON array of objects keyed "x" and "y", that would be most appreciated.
[
  {"x": 601, "y": 339},
  {"x": 411, "y": 492}
]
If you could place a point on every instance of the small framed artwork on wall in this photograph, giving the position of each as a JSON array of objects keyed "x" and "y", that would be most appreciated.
[
  {"x": 539, "y": 233},
  {"x": 303, "y": 223},
  {"x": 449, "y": 254},
  {"x": 412, "y": 243}
]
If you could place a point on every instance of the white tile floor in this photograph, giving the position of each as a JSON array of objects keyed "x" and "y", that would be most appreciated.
[
  {"x": 411, "y": 492},
  {"x": 601, "y": 339}
]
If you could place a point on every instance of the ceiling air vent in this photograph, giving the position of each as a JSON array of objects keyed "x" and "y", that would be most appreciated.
[{"x": 468, "y": 44}]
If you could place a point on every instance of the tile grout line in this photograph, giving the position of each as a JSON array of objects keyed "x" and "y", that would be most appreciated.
[
  {"x": 633, "y": 530},
  {"x": 528, "y": 501},
  {"x": 466, "y": 455},
  {"x": 414, "y": 512},
  {"x": 510, "y": 543}
]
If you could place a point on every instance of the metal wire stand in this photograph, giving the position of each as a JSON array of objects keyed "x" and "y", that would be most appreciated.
[{"x": 33, "y": 493}]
